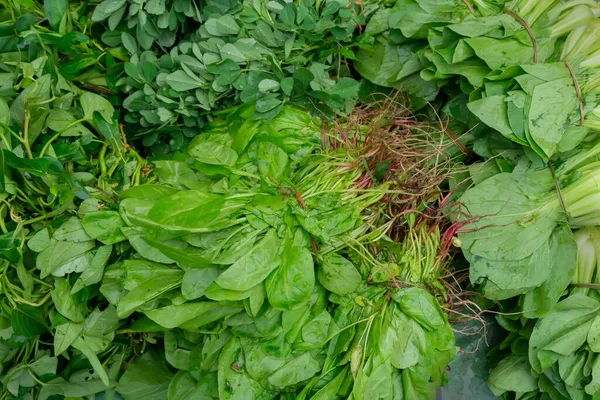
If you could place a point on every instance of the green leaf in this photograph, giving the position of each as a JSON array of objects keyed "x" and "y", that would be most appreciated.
[
  {"x": 4, "y": 114},
  {"x": 65, "y": 335},
  {"x": 338, "y": 275},
  {"x": 295, "y": 371},
  {"x": 44, "y": 365},
  {"x": 196, "y": 281},
  {"x": 129, "y": 42},
  {"x": 273, "y": 162},
  {"x": 180, "y": 81},
  {"x": 254, "y": 267},
  {"x": 230, "y": 52},
  {"x": 562, "y": 331},
  {"x": 268, "y": 85},
  {"x": 71, "y": 390},
  {"x": 173, "y": 316},
  {"x": 56, "y": 10},
  {"x": 345, "y": 88},
  {"x": 266, "y": 104},
  {"x": 62, "y": 120},
  {"x": 65, "y": 303},
  {"x": 291, "y": 284},
  {"x": 81, "y": 345},
  {"x": 146, "y": 281},
  {"x": 93, "y": 273},
  {"x": 287, "y": 85},
  {"x": 37, "y": 166},
  {"x": 222, "y": 26},
  {"x": 104, "y": 225},
  {"x": 109, "y": 131},
  {"x": 28, "y": 321},
  {"x": 40, "y": 241},
  {"x": 107, "y": 8},
  {"x": 146, "y": 378},
  {"x": 214, "y": 153},
  {"x": 91, "y": 102},
  {"x": 71, "y": 231},
  {"x": 63, "y": 257}
]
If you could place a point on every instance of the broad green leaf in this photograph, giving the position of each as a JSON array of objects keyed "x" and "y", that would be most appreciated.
[
  {"x": 37, "y": 167},
  {"x": 146, "y": 281},
  {"x": 291, "y": 284},
  {"x": 196, "y": 281},
  {"x": 254, "y": 267},
  {"x": 104, "y": 225},
  {"x": 44, "y": 365},
  {"x": 146, "y": 378},
  {"x": 71, "y": 231},
  {"x": 268, "y": 85},
  {"x": 28, "y": 321},
  {"x": 222, "y": 26},
  {"x": 173, "y": 316},
  {"x": 65, "y": 335},
  {"x": 81, "y": 345},
  {"x": 345, "y": 88},
  {"x": 55, "y": 257},
  {"x": 56, "y": 10},
  {"x": 91, "y": 102},
  {"x": 338, "y": 275},
  {"x": 108, "y": 130},
  {"x": 213, "y": 153},
  {"x": 60, "y": 120},
  {"x": 129, "y": 42},
  {"x": 106, "y": 8},
  {"x": 180, "y": 81},
  {"x": 64, "y": 301},
  {"x": 420, "y": 306},
  {"x": 40, "y": 241},
  {"x": 74, "y": 390},
  {"x": 562, "y": 331},
  {"x": 296, "y": 371},
  {"x": 93, "y": 273}
]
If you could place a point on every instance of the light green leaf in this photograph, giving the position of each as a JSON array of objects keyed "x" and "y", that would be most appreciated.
[
  {"x": 291, "y": 284},
  {"x": 254, "y": 267},
  {"x": 268, "y": 85},
  {"x": 91, "y": 102},
  {"x": 338, "y": 275},
  {"x": 181, "y": 82},
  {"x": 222, "y": 26}
]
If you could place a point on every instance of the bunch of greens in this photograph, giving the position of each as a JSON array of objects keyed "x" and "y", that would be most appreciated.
[
  {"x": 238, "y": 52},
  {"x": 202, "y": 281},
  {"x": 493, "y": 56},
  {"x": 517, "y": 228},
  {"x": 556, "y": 356}
]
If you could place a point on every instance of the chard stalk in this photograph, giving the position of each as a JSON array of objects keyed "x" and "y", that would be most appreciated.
[
  {"x": 588, "y": 41},
  {"x": 578, "y": 16}
]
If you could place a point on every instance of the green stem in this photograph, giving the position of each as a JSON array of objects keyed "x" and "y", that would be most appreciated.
[
  {"x": 26, "y": 133},
  {"x": 51, "y": 214},
  {"x": 57, "y": 135},
  {"x": 102, "y": 160}
]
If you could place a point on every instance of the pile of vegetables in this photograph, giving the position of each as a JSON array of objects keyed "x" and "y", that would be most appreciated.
[
  {"x": 226, "y": 199},
  {"x": 257, "y": 260},
  {"x": 213, "y": 256}
]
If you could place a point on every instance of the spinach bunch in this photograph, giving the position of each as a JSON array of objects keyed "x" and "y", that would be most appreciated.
[
  {"x": 235, "y": 268},
  {"x": 238, "y": 52}
]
